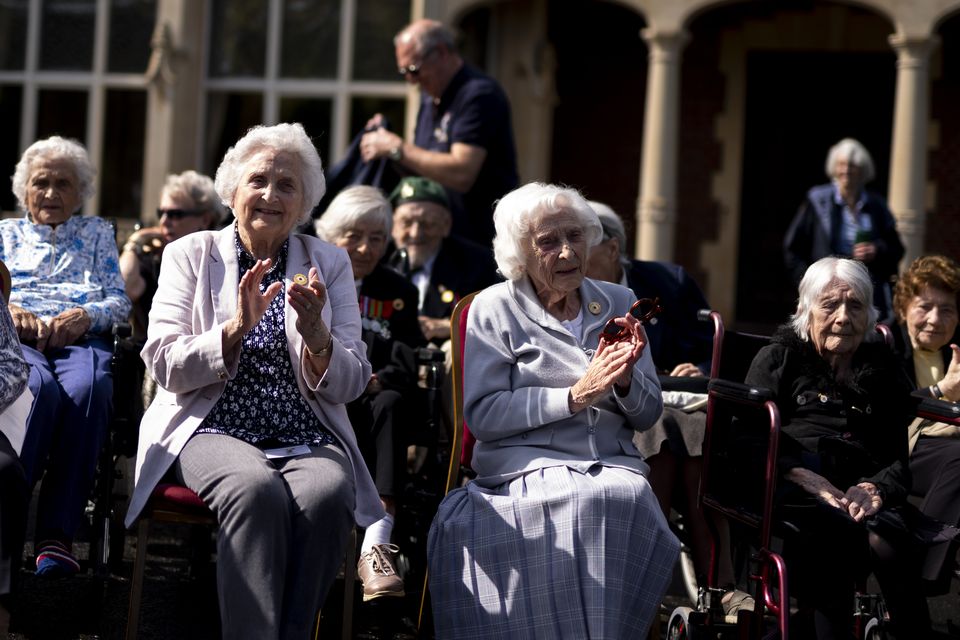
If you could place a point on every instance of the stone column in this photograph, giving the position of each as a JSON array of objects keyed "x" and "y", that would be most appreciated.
[
  {"x": 908, "y": 154},
  {"x": 657, "y": 205},
  {"x": 174, "y": 78}
]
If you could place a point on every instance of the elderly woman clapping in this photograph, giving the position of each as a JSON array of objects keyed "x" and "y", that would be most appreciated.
[
  {"x": 66, "y": 293},
  {"x": 560, "y": 535},
  {"x": 254, "y": 341},
  {"x": 844, "y": 408}
]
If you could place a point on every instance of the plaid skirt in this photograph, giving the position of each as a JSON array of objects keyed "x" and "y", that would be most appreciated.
[{"x": 551, "y": 554}]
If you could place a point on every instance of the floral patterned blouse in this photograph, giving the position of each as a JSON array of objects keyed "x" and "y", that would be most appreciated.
[
  {"x": 14, "y": 370},
  {"x": 74, "y": 264},
  {"x": 262, "y": 404}
]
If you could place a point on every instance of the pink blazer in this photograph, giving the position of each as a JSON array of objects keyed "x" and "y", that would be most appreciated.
[{"x": 196, "y": 295}]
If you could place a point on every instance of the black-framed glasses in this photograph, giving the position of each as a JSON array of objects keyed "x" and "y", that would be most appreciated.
[
  {"x": 414, "y": 69},
  {"x": 643, "y": 310},
  {"x": 179, "y": 214}
]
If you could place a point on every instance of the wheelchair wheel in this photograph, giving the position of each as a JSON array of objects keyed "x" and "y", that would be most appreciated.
[{"x": 678, "y": 628}]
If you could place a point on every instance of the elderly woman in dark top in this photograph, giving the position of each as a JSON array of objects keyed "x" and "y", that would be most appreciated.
[
  {"x": 15, "y": 399},
  {"x": 254, "y": 340},
  {"x": 843, "y": 450},
  {"x": 67, "y": 292},
  {"x": 926, "y": 300},
  {"x": 842, "y": 218},
  {"x": 188, "y": 203},
  {"x": 359, "y": 220},
  {"x": 560, "y": 534}
]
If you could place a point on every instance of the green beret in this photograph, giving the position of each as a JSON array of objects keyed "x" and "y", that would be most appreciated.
[{"x": 417, "y": 189}]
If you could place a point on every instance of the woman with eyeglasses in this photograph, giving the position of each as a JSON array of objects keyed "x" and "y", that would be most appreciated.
[
  {"x": 560, "y": 534},
  {"x": 188, "y": 203}
]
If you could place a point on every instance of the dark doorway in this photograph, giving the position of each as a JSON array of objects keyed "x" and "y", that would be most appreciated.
[
  {"x": 601, "y": 87},
  {"x": 798, "y": 105}
]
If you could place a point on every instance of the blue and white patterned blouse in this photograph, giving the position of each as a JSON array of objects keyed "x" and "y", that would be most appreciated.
[
  {"x": 262, "y": 405},
  {"x": 14, "y": 370},
  {"x": 74, "y": 264}
]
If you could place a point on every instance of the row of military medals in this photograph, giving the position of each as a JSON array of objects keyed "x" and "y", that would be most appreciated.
[{"x": 375, "y": 314}]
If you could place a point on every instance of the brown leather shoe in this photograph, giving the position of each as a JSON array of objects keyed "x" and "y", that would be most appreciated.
[{"x": 377, "y": 573}]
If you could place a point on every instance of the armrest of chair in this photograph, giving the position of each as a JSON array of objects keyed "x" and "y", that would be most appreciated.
[{"x": 938, "y": 410}]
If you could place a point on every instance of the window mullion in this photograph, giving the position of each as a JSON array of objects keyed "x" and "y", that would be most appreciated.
[
  {"x": 341, "y": 100},
  {"x": 274, "y": 34},
  {"x": 28, "y": 116},
  {"x": 96, "y": 100}
]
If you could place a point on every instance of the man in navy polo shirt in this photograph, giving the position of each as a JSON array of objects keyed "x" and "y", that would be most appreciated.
[{"x": 464, "y": 138}]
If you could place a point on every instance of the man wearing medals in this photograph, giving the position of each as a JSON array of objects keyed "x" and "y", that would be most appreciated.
[{"x": 443, "y": 267}]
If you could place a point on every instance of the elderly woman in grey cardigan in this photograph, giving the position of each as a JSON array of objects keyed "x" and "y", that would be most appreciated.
[{"x": 560, "y": 534}]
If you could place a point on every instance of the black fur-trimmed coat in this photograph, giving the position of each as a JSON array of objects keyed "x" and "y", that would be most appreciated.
[{"x": 847, "y": 432}]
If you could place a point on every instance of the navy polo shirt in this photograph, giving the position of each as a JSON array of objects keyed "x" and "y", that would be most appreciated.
[{"x": 473, "y": 110}]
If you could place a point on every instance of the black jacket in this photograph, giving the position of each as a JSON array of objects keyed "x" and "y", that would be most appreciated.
[
  {"x": 846, "y": 432},
  {"x": 677, "y": 336},
  {"x": 391, "y": 331},
  {"x": 461, "y": 268}
]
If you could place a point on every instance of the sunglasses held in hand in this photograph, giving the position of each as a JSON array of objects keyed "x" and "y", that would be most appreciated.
[{"x": 643, "y": 310}]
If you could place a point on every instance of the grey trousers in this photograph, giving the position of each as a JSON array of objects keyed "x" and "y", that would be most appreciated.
[{"x": 283, "y": 529}]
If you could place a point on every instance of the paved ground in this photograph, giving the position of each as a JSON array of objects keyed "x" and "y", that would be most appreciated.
[
  {"x": 181, "y": 606},
  {"x": 180, "y": 600}
]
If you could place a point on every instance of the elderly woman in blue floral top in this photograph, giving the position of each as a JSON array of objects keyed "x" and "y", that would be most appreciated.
[
  {"x": 254, "y": 341},
  {"x": 66, "y": 292},
  {"x": 14, "y": 394}
]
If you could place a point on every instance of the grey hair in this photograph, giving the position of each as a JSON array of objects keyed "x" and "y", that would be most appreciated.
[
  {"x": 517, "y": 212},
  {"x": 197, "y": 188},
  {"x": 291, "y": 138},
  {"x": 818, "y": 279},
  {"x": 852, "y": 151},
  {"x": 427, "y": 35},
  {"x": 350, "y": 207},
  {"x": 55, "y": 147},
  {"x": 612, "y": 226}
]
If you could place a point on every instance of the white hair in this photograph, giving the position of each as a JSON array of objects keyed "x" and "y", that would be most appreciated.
[
  {"x": 197, "y": 188},
  {"x": 55, "y": 148},
  {"x": 350, "y": 207},
  {"x": 518, "y": 211},
  {"x": 853, "y": 152},
  {"x": 612, "y": 226},
  {"x": 825, "y": 274},
  {"x": 291, "y": 138}
]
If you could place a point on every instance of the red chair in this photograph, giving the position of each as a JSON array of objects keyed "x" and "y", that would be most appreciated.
[
  {"x": 4, "y": 282},
  {"x": 461, "y": 440},
  {"x": 178, "y": 504}
]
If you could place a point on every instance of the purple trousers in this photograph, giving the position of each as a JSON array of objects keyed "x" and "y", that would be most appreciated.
[{"x": 73, "y": 398}]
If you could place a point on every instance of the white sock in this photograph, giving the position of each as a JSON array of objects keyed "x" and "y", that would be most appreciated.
[{"x": 377, "y": 533}]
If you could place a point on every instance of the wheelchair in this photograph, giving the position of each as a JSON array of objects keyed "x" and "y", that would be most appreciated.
[
  {"x": 109, "y": 499},
  {"x": 738, "y": 481}
]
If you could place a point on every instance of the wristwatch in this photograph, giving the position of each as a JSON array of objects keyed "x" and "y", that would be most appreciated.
[{"x": 396, "y": 154}]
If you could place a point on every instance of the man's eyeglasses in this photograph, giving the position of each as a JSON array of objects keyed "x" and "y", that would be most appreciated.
[
  {"x": 179, "y": 214},
  {"x": 643, "y": 310},
  {"x": 414, "y": 69}
]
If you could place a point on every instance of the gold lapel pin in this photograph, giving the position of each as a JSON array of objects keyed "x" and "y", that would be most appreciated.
[
  {"x": 300, "y": 279},
  {"x": 594, "y": 307},
  {"x": 398, "y": 304}
]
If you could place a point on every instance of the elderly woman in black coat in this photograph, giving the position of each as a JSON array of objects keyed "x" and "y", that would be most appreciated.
[{"x": 843, "y": 453}]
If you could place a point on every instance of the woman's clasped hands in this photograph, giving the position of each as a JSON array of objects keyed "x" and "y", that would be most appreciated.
[{"x": 612, "y": 365}]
